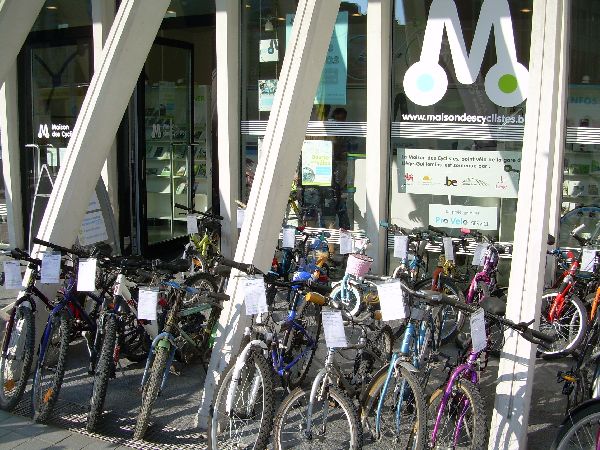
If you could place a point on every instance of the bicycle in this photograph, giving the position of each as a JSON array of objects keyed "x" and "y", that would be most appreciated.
[
  {"x": 563, "y": 313},
  {"x": 163, "y": 348},
  {"x": 202, "y": 251},
  {"x": 68, "y": 318},
  {"x": 243, "y": 404}
]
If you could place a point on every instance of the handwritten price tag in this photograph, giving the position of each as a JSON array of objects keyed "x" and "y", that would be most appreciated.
[
  {"x": 478, "y": 334},
  {"x": 400, "y": 247},
  {"x": 288, "y": 237},
  {"x": 448, "y": 248},
  {"x": 479, "y": 254},
  {"x": 86, "y": 275},
  {"x": 391, "y": 301},
  {"x": 255, "y": 296},
  {"x": 50, "y": 268},
  {"x": 333, "y": 328},
  {"x": 345, "y": 242},
  {"x": 588, "y": 260},
  {"x": 192, "y": 224},
  {"x": 12, "y": 275}
]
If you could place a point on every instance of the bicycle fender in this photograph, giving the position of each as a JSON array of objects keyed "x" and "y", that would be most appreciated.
[
  {"x": 578, "y": 408},
  {"x": 237, "y": 370},
  {"x": 408, "y": 366}
]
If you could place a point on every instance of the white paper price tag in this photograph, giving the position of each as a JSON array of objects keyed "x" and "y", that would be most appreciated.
[
  {"x": 333, "y": 328},
  {"x": 192, "y": 224},
  {"x": 345, "y": 242},
  {"x": 86, "y": 275},
  {"x": 50, "y": 268},
  {"x": 588, "y": 259},
  {"x": 288, "y": 239},
  {"x": 478, "y": 334},
  {"x": 359, "y": 244},
  {"x": 241, "y": 214},
  {"x": 448, "y": 248},
  {"x": 479, "y": 254},
  {"x": 147, "y": 303},
  {"x": 12, "y": 275},
  {"x": 391, "y": 301},
  {"x": 400, "y": 247},
  {"x": 255, "y": 296}
]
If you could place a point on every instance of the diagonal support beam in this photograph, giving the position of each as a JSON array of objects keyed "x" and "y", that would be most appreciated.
[
  {"x": 285, "y": 134},
  {"x": 127, "y": 46},
  {"x": 16, "y": 20},
  {"x": 545, "y": 105}
]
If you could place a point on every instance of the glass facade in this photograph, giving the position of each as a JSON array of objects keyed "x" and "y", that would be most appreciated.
[
  {"x": 329, "y": 189},
  {"x": 459, "y": 89}
]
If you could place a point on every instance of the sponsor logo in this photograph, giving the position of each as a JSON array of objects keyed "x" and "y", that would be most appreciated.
[
  {"x": 426, "y": 82},
  {"x": 450, "y": 182}
]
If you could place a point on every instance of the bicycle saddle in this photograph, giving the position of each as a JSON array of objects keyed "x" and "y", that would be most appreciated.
[{"x": 493, "y": 305}]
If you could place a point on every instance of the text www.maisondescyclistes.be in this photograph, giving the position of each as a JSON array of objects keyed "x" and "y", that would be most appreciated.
[{"x": 465, "y": 118}]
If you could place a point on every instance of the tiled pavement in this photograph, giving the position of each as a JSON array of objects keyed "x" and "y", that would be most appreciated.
[{"x": 21, "y": 433}]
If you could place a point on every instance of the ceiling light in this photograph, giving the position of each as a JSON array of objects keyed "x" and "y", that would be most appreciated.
[
  {"x": 268, "y": 25},
  {"x": 170, "y": 13},
  {"x": 281, "y": 19},
  {"x": 248, "y": 6},
  {"x": 51, "y": 7},
  {"x": 526, "y": 10},
  {"x": 356, "y": 14}
]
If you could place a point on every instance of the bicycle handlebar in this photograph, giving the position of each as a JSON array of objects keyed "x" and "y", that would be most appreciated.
[
  {"x": 60, "y": 248},
  {"x": 194, "y": 211},
  {"x": 437, "y": 230},
  {"x": 19, "y": 254}
]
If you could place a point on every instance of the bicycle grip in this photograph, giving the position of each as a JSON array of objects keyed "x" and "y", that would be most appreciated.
[
  {"x": 436, "y": 230},
  {"x": 247, "y": 268},
  {"x": 530, "y": 335},
  {"x": 59, "y": 247},
  {"x": 19, "y": 254}
]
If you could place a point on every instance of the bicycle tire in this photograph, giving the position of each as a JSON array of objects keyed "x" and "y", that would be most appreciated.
[
  {"x": 151, "y": 391},
  {"x": 462, "y": 391},
  {"x": 321, "y": 437},
  {"x": 572, "y": 428},
  {"x": 452, "y": 321},
  {"x": 254, "y": 430},
  {"x": 573, "y": 319},
  {"x": 25, "y": 337},
  {"x": 43, "y": 400},
  {"x": 202, "y": 281},
  {"x": 134, "y": 340},
  {"x": 104, "y": 369},
  {"x": 354, "y": 301},
  {"x": 415, "y": 431},
  {"x": 295, "y": 342}
]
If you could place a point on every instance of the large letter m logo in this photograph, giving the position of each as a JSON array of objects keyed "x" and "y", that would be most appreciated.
[{"x": 425, "y": 82}]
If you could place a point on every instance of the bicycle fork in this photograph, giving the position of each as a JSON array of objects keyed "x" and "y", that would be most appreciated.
[
  {"x": 320, "y": 382},
  {"x": 163, "y": 340}
]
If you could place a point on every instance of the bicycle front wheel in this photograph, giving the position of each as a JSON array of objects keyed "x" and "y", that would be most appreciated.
[
  {"x": 401, "y": 420},
  {"x": 151, "y": 391},
  {"x": 50, "y": 370},
  {"x": 104, "y": 369},
  {"x": 15, "y": 363},
  {"x": 460, "y": 423},
  {"x": 248, "y": 424},
  {"x": 580, "y": 431},
  {"x": 569, "y": 329},
  {"x": 334, "y": 422}
]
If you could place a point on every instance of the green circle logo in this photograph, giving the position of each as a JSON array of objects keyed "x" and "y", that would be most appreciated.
[{"x": 508, "y": 83}]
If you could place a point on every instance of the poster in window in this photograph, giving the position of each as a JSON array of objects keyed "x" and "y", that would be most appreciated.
[
  {"x": 317, "y": 163},
  {"x": 266, "y": 94},
  {"x": 332, "y": 87},
  {"x": 268, "y": 50}
]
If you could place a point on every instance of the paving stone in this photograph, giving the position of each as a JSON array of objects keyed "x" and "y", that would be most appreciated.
[
  {"x": 32, "y": 429},
  {"x": 54, "y": 435},
  {"x": 38, "y": 444},
  {"x": 79, "y": 441},
  {"x": 12, "y": 440}
]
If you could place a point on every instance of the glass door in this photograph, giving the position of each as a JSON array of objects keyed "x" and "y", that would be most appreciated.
[{"x": 167, "y": 150}]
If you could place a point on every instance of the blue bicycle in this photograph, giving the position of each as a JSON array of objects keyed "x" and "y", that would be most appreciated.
[{"x": 243, "y": 406}]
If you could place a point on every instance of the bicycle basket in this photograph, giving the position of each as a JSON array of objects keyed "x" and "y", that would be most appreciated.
[{"x": 358, "y": 265}]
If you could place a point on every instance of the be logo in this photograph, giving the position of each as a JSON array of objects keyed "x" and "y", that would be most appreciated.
[
  {"x": 44, "y": 132},
  {"x": 156, "y": 131},
  {"x": 426, "y": 82}
]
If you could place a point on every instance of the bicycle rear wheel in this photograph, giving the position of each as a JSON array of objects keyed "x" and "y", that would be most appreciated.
[
  {"x": 15, "y": 364},
  {"x": 403, "y": 415},
  {"x": 569, "y": 329},
  {"x": 50, "y": 370},
  {"x": 335, "y": 424},
  {"x": 462, "y": 421},
  {"x": 248, "y": 424}
]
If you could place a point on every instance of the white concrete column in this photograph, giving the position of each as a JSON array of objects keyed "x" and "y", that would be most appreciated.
[
  {"x": 11, "y": 156},
  {"x": 228, "y": 112},
  {"x": 16, "y": 19},
  {"x": 281, "y": 148},
  {"x": 123, "y": 57},
  {"x": 103, "y": 14},
  {"x": 542, "y": 125},
  {"x": 379, "y": 37}
]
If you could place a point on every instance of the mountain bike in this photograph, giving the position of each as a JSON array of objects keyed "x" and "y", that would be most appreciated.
[
  {"x": 243, "y": 404},
  {"x": 164, "y": 346}
]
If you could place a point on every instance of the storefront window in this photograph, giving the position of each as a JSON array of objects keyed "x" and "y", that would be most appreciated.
[
  {"x": 329, "y": 189},
  {"x": 580, "y": 186},
  {"x": 62, "y": 14},
  {"x": 459, "y": 86}
]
